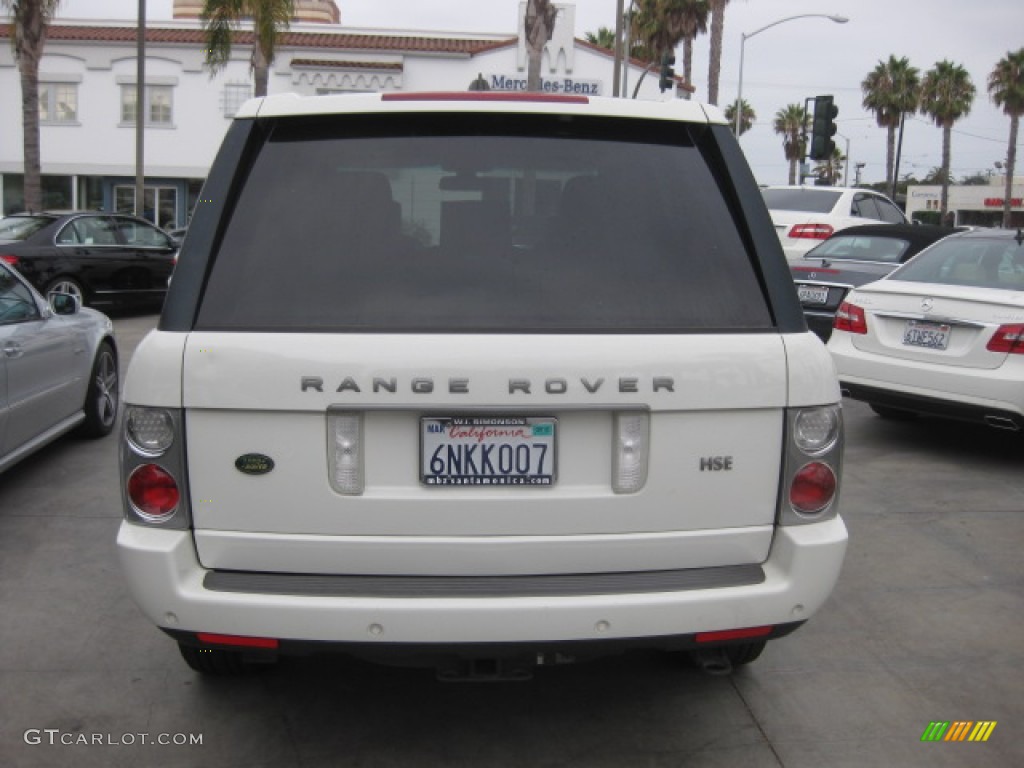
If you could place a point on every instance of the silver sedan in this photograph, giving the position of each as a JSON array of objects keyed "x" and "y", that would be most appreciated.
[{"x": 58, "y": 369}]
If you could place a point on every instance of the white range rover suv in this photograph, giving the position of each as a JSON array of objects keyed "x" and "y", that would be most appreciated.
[{"x": 480, "y": 381}]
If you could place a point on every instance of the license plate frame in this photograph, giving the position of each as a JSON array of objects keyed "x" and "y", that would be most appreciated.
[
  {"x": 925, "y": 334},
  {"x": 812, "y": 294},
  {"x": 488, "y": 451}
]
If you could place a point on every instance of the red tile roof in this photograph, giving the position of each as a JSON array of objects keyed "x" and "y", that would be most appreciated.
[{"x": 290, "y": 39}]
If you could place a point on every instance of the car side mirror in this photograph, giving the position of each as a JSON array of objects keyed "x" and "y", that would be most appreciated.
[{"x": 64, "y": 303}]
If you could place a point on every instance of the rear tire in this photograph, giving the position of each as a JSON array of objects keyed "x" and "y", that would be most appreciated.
[
  {"x": 102, "y": 396},
  {"x": 739, "y": 655},
  {"x": 212, "y": 661},
  {"x": 892, "y": 414}
]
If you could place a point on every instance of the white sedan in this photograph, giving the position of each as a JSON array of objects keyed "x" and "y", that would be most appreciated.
[
  {"x": 804, "y": 216},
  {"x": 942, "y": 335}
]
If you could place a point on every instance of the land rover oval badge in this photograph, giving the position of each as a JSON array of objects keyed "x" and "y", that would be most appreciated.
[{"x": 254, "y": 464}]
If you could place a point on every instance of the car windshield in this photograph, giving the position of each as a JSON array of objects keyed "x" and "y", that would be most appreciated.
[
  {"x": 482, "y": 223},
  {"x": 975, "y": 262},
  {"x": 807, "y": 200},
  {"x": 21, "y": 227},
  {"x": 861, "y": 248}
]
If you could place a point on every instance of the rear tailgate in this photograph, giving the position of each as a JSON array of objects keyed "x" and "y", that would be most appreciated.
[{"x": 715, "y": 406}]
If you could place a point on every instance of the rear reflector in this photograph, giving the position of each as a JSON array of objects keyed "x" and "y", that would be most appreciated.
[
  {"x": 811, "y": 231},
  {"x": 733, "y": 634},
  {"x": 237, "y": 640},
  {"x": 527, "y": 96},
  {"x": 1008, "y": 339}
]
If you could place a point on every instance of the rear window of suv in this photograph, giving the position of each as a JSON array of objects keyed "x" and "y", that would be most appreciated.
[{"x": 481, "y": 223}]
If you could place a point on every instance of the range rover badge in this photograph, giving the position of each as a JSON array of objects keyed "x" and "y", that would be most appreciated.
[{"x": 254, "y": 464}]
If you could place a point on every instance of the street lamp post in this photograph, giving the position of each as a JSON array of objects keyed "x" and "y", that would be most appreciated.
[{"x": 743, "y": 42}]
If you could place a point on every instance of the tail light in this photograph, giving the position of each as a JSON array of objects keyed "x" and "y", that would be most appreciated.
[
  {"x": 1008, "y": 339},
  {"x": 813, "y": 463},
  {"x": 850, "y": 318},
  {"x": 9, "y": 259},
  {"x": 153, "y": 479},
  {"x": 811, "y": 231},
  {"x": 346, "y": 452}
]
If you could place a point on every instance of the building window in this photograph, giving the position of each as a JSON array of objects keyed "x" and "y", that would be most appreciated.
[
  {"x": 234, "y": 96},
  {"x": 159, "y": 105},
  {"x": 58, "y": 103}
]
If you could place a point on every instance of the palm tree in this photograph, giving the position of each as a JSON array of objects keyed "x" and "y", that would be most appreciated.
[
  {"x": 692, "y": 17},
  {"x": 603, "y": 38},
  {"x": 538, "y": 24},
  {"x": 29, "y": 20},
  {"x": 1006, "y": 87},
  {"x": 660, "y": 25},
  {"x": 269, "y": 18},
  {"x": 789, "y": 123},
  {"x": 747, "y": 116},
  {"x": 891, "y": 90},
  {"x": 946, "y": 95},
  {"x": 715, "y": 62}
]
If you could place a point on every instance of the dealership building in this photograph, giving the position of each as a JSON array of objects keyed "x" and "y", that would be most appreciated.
[
  {"x": 88, "y": 76},
  {"x": 971, "y": 205}
]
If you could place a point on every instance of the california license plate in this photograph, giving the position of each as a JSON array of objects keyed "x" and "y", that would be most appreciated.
[
  {"x": 919, "y": 333},
  {"x": 488, "y": 450},
  {"x": 812, "y": 294}
]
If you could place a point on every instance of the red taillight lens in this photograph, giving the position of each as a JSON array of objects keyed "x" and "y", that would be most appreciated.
[
  {"x": 153, "y": 492},
  {"x": 811, "y": 231},
  {"x": 813, "y": 488},
  {"x": 850, "y": 318},
  {"x": 1008, "y": 339},
  {"x": 9, "y": 259}
]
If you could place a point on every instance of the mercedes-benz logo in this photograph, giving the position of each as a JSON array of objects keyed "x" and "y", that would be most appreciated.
[{"x": 927, "y": 304}]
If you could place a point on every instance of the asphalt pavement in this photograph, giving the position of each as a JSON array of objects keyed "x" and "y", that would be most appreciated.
[{"x": 925, "y": 627}]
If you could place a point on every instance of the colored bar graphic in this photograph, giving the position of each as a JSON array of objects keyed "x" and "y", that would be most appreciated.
[{"x": 958, "y": 730}]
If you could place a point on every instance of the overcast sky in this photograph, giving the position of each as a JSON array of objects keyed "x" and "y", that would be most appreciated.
[{"x": 783, "y": 65}]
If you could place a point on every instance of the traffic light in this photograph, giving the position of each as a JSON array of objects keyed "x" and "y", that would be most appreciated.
[
  {"x": 823, "y": 129},
  {"x": 667, "y": 73}
]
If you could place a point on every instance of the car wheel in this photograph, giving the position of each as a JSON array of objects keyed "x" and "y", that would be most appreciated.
[
  {"x": 102, "y": 397},
  {"x": 67, "y": 285},
  {"x": 893, "y": 414},
  {"x": 212, "y": 661}
]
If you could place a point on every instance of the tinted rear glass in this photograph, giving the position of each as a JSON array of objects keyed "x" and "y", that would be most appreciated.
[
  {"x": 861, "y": 248},
  {"x": 22, "y": 227},
  {"x": 492, "y": 223},
  {"x": 807, "y": 200}
]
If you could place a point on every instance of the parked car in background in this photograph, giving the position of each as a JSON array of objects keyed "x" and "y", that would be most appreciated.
[
  {"x": 853, "y": 257},
  {"x": 58, "y": 369},
  {"x": 101, "y": 258},
  {"x": 804, "y": 216},
  {"x": 942, "y": 335}
]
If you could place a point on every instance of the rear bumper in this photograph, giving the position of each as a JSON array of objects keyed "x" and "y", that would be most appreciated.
[
  {"x": 989, "y": 415},
  {"x": 171, "y": 588}
]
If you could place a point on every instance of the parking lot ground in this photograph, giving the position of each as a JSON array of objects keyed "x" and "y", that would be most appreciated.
[{"x": 925, "y": 625}]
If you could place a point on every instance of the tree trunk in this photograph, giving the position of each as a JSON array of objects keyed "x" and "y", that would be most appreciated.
[
  {"x": 947, "y": 135},
  {"x": 1011, "y": 161},
  {"x": 260, "y": 71},
  {"x": 715, "y": 63},
  {"x": 538, "y": 25},
  {"x": 687, "y": 64},
  {"x": 792, "y": 171},
  {"x": 890, "y": 152},
  {"x": 33, "y": 192}
]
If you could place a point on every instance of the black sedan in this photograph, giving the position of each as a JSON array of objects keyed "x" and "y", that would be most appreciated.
[
  {"x": 101, "y": 258},
  {"x": 852, "y": 257}
]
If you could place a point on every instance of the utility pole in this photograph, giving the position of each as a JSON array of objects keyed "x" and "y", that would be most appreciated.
[{"x": 140, "y": 112}]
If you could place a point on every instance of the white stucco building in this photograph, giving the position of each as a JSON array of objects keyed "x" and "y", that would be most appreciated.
[
  {"x": 88, "y": 88},
  {"x": 975, "y": 205}
]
